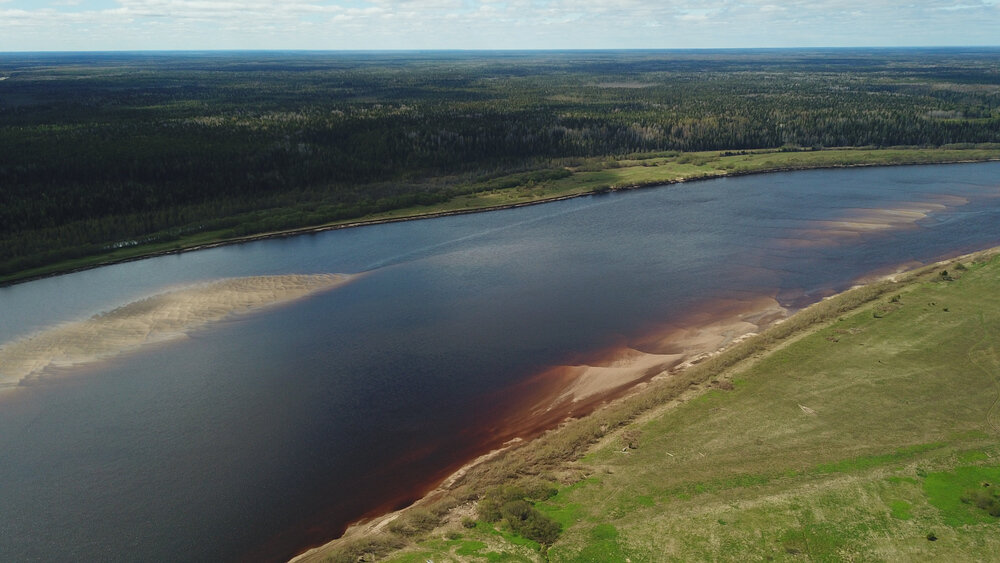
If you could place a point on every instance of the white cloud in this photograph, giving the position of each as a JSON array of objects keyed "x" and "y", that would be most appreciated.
[{"x": 484, "y": 24}]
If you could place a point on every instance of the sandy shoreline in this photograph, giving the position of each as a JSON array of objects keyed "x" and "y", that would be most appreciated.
[
  {"x": 662, "y": 351},
  {"x": 158, "y": 318}
]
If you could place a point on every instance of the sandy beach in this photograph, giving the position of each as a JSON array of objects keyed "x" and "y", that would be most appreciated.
[{"x": 158, "y": 318}]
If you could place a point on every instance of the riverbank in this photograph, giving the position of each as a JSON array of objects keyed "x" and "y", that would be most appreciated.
[
  {"x": 593, "y": 176},
  {"x": 544, "y": 401},
  {"x": 687, "y": 439}
]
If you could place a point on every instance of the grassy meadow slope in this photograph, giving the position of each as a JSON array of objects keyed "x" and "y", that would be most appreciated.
[{"x": 865, "y": 428}]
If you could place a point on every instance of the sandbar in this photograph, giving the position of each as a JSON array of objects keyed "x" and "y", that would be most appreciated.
[
  {"x": 157, "y": 318},
  {"x": 855, "y": 223}
]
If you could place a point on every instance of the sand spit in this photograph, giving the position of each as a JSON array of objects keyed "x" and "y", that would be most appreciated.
[
  {"x": 158, "y": 318},
  {"x": 659, "y": 353}
]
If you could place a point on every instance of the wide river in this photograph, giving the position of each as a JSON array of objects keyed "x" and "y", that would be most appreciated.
[{"x": 256, "y": 435}]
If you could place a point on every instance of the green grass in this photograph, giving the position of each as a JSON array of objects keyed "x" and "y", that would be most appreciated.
[
  {"x": 565, "y": 514},
  {"x": 468, "y": 548},
  {"x": 514, "y": 539},
  {"x": 945, "y": 490},
  {"x": 595, "y": 175},
  {"x": 900, "y": 509},
  {"x": 868, "y": 462},
  {"x": 973, "y": 456}
]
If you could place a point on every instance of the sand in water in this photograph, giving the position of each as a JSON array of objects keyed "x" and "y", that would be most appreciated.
[
  {"x": 157, "y": 318},
  {"x": 856, "y": 223}
]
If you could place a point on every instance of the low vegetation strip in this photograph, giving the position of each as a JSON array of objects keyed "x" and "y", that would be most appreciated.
[{"x": 854, "y": 430}]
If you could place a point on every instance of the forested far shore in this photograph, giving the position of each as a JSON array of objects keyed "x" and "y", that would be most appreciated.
[{"x": 112, "y": 152}]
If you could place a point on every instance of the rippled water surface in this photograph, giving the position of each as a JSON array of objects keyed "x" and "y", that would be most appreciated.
[{"x": 263, "y": 434}]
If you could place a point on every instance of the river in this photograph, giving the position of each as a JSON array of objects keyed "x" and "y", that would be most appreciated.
[{"x": 257, "y": 435}]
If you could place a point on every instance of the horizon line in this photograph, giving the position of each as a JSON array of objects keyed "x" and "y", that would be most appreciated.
[{"x": 511, "y": 50}]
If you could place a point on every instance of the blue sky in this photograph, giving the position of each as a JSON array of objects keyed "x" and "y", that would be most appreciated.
[{"x": 84, "y": 25}]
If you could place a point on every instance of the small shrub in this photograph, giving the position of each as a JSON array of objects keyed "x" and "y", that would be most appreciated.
[
  {"x": 508, "y": 504},
  {"x": 368, "y": 549},
  {"x": 515, "y": 510},
  {"x": 415, "y": 523},
  {"x": 468, "y": 523},
  {"x": 539, "y": 491},
  {"x": 983, "y": 500},
  {"x": 493, "y": 501},
  {"x": 884, "y": 309},
  {"x": 530, "y": 523},
  {"x": 630, "y": 437}
]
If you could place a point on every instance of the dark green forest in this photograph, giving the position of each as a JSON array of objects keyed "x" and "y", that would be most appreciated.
[{"x": 107, "y": 150}]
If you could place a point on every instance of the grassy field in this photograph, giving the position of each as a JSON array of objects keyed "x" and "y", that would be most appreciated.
[
  {"x": 584, "y": 177},
  {"x": 864, "y": 429}
]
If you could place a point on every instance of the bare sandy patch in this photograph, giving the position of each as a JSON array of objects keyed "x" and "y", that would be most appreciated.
[
  {"x": 158, "y": 318},
  {"x": 623, "y": 367}
]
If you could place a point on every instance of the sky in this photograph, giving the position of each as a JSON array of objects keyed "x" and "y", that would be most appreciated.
[{"x": 110, "y": 25}]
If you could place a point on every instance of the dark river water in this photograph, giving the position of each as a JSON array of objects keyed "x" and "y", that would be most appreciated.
[{"x": 264, "y": 434}]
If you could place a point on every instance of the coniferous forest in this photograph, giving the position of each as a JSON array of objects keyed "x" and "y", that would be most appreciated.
[{"x": 100, "y": 151}]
